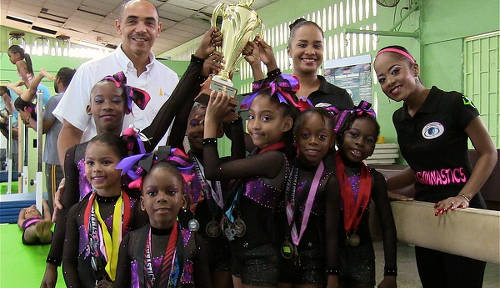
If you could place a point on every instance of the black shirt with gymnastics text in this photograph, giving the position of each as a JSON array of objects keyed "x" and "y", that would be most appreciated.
[{"x": 434, "y": 143}]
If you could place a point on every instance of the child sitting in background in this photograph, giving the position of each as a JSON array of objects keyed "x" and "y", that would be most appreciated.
[{"x": 36, "y": 230}]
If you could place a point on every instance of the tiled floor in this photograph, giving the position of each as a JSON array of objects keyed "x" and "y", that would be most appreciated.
[{"x": 407, "y": 268}]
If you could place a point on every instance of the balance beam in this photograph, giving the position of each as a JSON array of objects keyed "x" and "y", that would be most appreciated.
[{"x": 473, "y": 233}]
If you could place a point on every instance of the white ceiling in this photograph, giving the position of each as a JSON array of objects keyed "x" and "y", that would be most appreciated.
[{"x": 93, "y": 20}]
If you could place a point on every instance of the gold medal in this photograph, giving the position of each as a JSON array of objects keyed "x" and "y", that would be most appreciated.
[
  {"x": 352, "y": 239},
  {"x": 212, "y": 229}
]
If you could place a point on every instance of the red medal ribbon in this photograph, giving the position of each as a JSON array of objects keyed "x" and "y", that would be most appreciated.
[
  {"x": 168, "y": 259},
  {"x": 353, "y": 212},
  {"x": 126, "y": 212},
  {"x": 275, "y": 146}
]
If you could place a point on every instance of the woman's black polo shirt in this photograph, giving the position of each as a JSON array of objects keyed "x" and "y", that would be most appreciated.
[
  {"x": 329, "y": 94},
  {"x": 434, "y": 143}
]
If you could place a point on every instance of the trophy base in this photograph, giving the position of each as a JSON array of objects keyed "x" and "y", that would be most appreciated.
[{"x": 215, "y": 83}]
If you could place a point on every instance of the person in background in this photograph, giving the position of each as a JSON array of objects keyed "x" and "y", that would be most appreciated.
[
  {"x": 24, "y": 66},
  {"x": 52, "y": 127},
  {"x": 36, "y": 229},
  {"x": 305, "y": 48},
  {"x": 6, "y": 109}
]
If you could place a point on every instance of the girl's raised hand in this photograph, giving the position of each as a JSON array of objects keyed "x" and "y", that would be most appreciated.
[
  {"x": 251, "y": 53},
  {"x": 266, "y": 53},
  {"x": 213, "y": 64},
  {"x": 218, "y": 106},
  {"x": 211, "y": 39}
]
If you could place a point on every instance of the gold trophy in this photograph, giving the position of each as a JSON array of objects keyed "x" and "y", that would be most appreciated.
[{"x": 240, "y": 24}]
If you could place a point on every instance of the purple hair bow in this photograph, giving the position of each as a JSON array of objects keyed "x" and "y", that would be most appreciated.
[
  {"x": 340, "y": 116},
  {"x": 137, "y": 166},
  {"x": 133, "y": 94},
  {"x": 282, "y": 86}
]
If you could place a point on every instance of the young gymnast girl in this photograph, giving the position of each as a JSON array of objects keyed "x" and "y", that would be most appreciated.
[
  {"x": 22, "y": 60},
  {"x": 433, "y": 128},
  {"x": 164, "y": 253},
  {"x": 108, "y": 106},
  {"x": 250, "y": 224},
  {"x": 357, "y": 132},
  {"x": 36, "y": 230},
  {"x": 205, "y": 196},
  {"x": 96, "y": 225},
  {"x": 311, "y": 196}
]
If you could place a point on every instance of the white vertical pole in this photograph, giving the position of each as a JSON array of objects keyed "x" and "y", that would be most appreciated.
[
  {"x": 9, "y": 157},
  {"x": 39, "y": 148},
  {"x": 25, "y": 159}
]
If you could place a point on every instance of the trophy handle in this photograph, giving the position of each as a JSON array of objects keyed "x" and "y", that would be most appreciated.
[
  {"x": 246, "y": 3},
  {"x": 218, "y": 9}
]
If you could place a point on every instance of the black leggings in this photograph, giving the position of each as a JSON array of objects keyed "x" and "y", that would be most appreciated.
[{"x": 443, "y": 270}]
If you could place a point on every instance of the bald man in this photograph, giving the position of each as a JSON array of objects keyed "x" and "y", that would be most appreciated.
[{"x": 138, "y": 27}]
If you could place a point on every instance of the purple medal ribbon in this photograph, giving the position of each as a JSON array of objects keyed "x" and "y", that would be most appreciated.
[{"x": 307, "y": 211}]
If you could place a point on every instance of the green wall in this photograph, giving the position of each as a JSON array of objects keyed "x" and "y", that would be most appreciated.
[{"x": 444, "y": 25}]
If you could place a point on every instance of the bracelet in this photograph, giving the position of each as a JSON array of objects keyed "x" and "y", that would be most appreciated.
[
  {"x": 390, "y": 271},
  {"x": 274, "y": 73},
  {"x": 208, "y": 141},
  {"x": 332, "y": 271},
  {"x": 465, "y": 197},
  {"x": 53, "y": 260},
  {"x": 196, "y": 59}
]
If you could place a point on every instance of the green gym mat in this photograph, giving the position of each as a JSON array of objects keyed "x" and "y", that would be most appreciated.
[
  {"x": 20, "y": 265},
  {"x": 3, "y": 187}
]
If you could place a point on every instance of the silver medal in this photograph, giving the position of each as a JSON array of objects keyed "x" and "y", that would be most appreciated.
[
  {"x": 230, "y": 233},
  {"x": 193, "y": 225},
  {"x": 240, "y": 227}
]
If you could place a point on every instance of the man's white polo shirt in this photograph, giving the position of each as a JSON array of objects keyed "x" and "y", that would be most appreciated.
[{"x": 158, "y": 80}]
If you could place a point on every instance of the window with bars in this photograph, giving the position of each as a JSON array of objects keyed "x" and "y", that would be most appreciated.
[
  {"x": 482, "y": 79},
  {"x": 332, "y": 19}
]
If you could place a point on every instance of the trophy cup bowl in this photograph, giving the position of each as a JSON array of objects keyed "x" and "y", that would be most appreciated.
[{"x": 240, "y": 24}]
